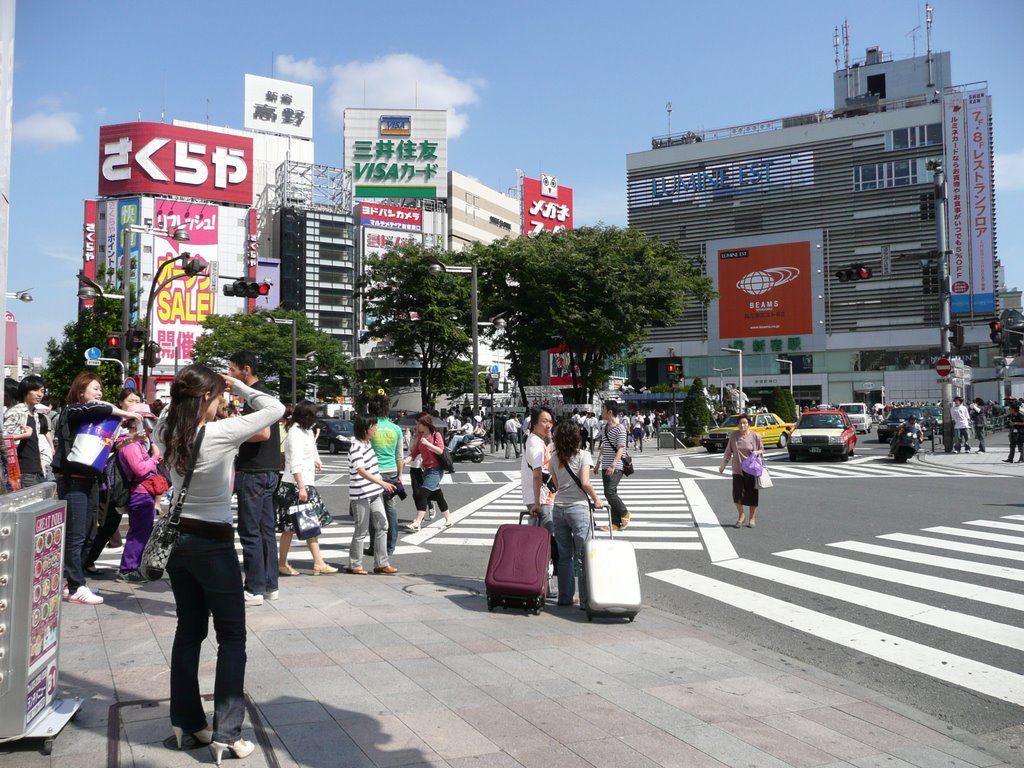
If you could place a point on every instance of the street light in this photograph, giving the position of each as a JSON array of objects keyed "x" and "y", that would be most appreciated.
[
  {"x": 191, "y": 267},
  {"x": 89, "y": 289},
  {"x": 295, "y": 353},
  {"x": 738, "y": 351},
  {"x": 180, "y": 234},
  {"x": 438, "y": 266},
  {"x": 721, "y": 383},
  {"x": 790, "y": 364},
  {"x": 19, "y": 295}
]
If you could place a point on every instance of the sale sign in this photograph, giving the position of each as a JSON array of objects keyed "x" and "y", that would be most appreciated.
[{"x": 765, "y": 290}]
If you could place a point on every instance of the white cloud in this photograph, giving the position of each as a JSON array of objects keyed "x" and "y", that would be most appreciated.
[
  {"x": 47, "y": 130},
  {"x": 1009, "y": 167},
  {"x": 406, "y": 81},
  {"x": 300, "y": 70}
]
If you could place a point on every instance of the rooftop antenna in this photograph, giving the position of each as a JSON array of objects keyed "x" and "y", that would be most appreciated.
[
  {"x": 912, "y": 34},
  {"x": 846, "y": 54},
  {"x": 835, "y": 45},
  {"x": 928, "y": 11},
  {"x": 668, "y": 109}
]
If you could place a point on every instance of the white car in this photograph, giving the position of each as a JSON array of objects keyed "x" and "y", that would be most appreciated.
[{"x": 859, "y": 415}]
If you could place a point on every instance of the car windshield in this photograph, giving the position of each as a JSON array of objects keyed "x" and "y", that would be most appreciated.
[
  {"x": 338, "y": 426},
  {"x": 853, "y": 408},
  {"x": 935, "y": 411},
  {"x": 904, "y": 413},
  {"x": 730, "y": 421},
  {"x": 820, "y": 421}
]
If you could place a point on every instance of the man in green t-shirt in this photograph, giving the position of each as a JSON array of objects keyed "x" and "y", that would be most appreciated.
[{"x": 387, "y": 444}]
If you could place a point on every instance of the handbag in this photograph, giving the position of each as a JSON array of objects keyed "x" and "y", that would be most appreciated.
[
  {"x": 752, "y": 465},
  {"x": 627, "y": 460},
  {"x": 161, "y": 542},
  {"x": 764, "y": 480},
  {"x": 305, "y": 521}
]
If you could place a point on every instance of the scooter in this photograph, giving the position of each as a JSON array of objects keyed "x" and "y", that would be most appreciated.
[
  {"x": 470, "y": 450},
  {"x": 906, "y": 446}
]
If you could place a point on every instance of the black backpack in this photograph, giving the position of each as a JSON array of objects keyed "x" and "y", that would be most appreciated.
[{"x": 118, "y": 486}]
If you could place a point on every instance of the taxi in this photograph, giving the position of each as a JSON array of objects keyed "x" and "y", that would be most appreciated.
[
  {"x": 823, "y": 433},
  {"x": 772, "y": 428}
]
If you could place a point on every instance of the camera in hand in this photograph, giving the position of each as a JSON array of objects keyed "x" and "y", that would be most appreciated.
[
  {"x": 400, "y": 491},
  {"x": 547, "y": 482}
]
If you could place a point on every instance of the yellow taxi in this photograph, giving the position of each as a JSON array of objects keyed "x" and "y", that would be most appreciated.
[{"x": 772, "y": 428}]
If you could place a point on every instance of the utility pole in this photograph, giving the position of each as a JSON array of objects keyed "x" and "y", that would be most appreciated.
[{"x": 946, "y": 314}]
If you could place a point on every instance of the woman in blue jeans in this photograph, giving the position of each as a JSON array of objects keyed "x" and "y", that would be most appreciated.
[
  {"x": 203, "y": 567},
  {"x": 571, "y": 515}
]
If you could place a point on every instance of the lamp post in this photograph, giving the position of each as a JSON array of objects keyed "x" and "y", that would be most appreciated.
[
  {"x": 191, "y": 266},
  {"x": 721, "y": 383},
  {"x": 790, "y": 364},
  {"x": 19, "y": 295},
  {"x": 295, "y": 353},
  {"x": 179, "y": 234},
  {"x": 738, "y": 351},
  {"x": 473, "y": 321},
  {"x": 89, "y": 289}
]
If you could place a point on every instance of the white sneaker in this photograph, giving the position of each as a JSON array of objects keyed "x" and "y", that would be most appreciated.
[
  {"x": 272, "y": 595},
  {"x": 251, "y": 599},
  {"x": 432, "y": 512},
  {"x": 85, "y": 596}
]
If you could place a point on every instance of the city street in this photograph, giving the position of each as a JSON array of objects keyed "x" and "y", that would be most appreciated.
[{"x": 901, "y": 578}]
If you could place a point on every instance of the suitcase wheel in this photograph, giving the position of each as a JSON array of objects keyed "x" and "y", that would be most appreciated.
[{"x": 590, "y": 616}]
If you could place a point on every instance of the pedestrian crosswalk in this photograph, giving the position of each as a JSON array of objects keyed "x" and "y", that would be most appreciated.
[
  {"x": 861, "y": 467},
  {"x": 960, "y": 581},
  {"x": 661, "y": 517}
]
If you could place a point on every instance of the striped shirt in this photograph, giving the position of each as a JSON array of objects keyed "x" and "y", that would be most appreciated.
[
  {"x": 361, "y": 454},
  {"x": 612, "y": 439}
]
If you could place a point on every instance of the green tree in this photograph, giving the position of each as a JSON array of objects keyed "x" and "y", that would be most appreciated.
[
  {"x": 782, "y": 404},
  {"x": 596, "y": 290},
  {"x": 695, "y": 415},
  {"x": 421, "y": 312},
  {"x": 65, "y": 359},
  {"x": 321, "y": 360}
]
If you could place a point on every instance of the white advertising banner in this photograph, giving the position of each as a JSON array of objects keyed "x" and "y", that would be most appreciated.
[
  {"x": 956, "y": 202},
  {"x": 378, "y": 241},
  {"x": 978, "y": 172},
  {"x": 397, "y": 153},
  {"x": 277, "y": 106},
  {"x": 110, "y": 224}
]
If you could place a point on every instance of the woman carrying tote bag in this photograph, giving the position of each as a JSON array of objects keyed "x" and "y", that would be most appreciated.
[{"x": 743, "y": 443}]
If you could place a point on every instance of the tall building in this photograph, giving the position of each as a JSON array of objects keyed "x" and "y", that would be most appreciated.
[{"x": 819, "y": 232}]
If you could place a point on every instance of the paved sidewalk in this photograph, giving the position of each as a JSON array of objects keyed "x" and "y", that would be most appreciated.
[
  {"x": 997, "y": 448},
  {"x": 413, "y": 671}
]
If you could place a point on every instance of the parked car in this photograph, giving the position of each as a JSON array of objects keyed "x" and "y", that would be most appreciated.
[
  {"x": 860, "y": 416},
  {"x": 335, "y": 435},
  {"x": 773, "y": 431},
  {"x": 823, "y": 433},
  {"x": 897, "y": 416}
]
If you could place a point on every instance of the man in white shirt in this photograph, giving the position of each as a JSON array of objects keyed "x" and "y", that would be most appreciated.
[
  {"x": 512, "y": 435},
  {"x": 536, "y": 456},
  {"x": 961, "y": 423}
]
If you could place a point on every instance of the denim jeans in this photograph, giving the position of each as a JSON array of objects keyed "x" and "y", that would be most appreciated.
[
  {"x": 362, "y": 511},
  {"x": 141, "y": 513},
  {"x": 611, "y": 493},
  {"x": 83, "y": 497},
  {"x": 256, "y": 523},
  {"x": 960, "y": 439},
  {"x": 979, "y": 433},
  {"x": 205, "y": 579},
  {"x": 572, "y": 529},
  {"x": 391, "y": 511}
]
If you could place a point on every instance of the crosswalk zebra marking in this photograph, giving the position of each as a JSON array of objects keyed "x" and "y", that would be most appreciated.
[
  {"x": 941, "y": 665},
  {"x": 997, "y": 524},
  {"x": 957, "y": 546},
  {"x": 941, "y": 561},
  {"x": 969, "y": 534}
]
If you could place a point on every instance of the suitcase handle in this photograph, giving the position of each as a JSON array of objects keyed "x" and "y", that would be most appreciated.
[{"x": 593, "y": 523}]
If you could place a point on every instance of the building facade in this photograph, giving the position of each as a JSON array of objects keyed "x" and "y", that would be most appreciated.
[{"x": 820, "y": 234}]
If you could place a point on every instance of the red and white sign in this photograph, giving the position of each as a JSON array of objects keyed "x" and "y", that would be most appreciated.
[
  {"x": 943, "y": 367},
  {"x": 161, "y": 159},
  {"x": 546, "y": 206},
  {"x": 89, "y": 245},
  {"x": 391, "y": 217}
]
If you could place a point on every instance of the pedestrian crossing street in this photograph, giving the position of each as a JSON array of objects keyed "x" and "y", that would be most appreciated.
[
  {"x": 661, "y": 517},
  {"x": 962, "y": 581}
]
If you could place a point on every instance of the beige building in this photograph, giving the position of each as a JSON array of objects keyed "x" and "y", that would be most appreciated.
[{"x": 477, "y": 213}]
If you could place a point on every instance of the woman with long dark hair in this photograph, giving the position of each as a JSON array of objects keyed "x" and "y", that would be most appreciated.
[
  {"x": 428, "y": 444},
  {"x": 298, "y": 485},
  {"x": 571, "y": 512},
  {"x": 203, "y": 567},
  {"x": 78, "y": 482}
]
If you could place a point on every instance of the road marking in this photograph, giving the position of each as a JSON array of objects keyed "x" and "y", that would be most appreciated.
[
  {"x": 967, "y": 673},
  {"x": 985, "y": 535},
  {"x": 941, "y": 561},
  {"x": 426, "y": 534},
  {"x": 977, "y": 592},
  {"x": 997, "y": 524},
  {"x": 715, "y": 539},
  {"x": 971, "y": 549}
]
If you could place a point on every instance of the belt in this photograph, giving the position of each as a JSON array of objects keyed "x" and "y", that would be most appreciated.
[{"x": 215, "y": 531}]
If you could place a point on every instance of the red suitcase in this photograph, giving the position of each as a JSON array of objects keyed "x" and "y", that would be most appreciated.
[{"x": 517, "y": 573}]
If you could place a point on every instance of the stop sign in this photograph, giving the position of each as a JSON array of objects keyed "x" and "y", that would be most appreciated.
[{"x": 943, "y": 367}]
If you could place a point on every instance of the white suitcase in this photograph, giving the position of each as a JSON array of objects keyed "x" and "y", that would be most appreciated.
[{"x": 611, "y": 575}]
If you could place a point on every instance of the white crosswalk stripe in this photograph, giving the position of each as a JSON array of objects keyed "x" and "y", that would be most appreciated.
[
  {"x": 825, "y": 581},
  {"x": 783, "y": 469}
]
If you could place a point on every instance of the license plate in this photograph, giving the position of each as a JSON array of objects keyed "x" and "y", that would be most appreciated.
[{"x": 815, "y": 450}]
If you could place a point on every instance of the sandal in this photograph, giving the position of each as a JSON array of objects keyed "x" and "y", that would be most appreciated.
[{"x": 287, "y": 570}]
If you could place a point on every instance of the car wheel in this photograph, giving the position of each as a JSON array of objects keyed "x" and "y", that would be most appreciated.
[
  {"x": 333, "y": 447},
  {"x": 792, "y": 456},
  {"x": 881, "y": 439},
  {"x": 845, "y": 456},
  {"x": 783, "y": 440},
  {"x": 712, "y": 449}
]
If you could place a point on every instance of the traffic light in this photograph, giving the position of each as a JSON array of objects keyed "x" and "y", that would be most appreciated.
[
  {"x": 136, "y": 338},
  {"x": 956, "y": 337},
  {"x": 929, "y": 278},
  {"x": 855, "y": 272},
  {"x": 996, "y": 332},
  {"x": 490, "y": 385},
  {"x": 113, "y": 345},
  {"x": 672, "y": 368},
  {"x": 151, "y": 356},
  {"x": 247, "y": 289}
]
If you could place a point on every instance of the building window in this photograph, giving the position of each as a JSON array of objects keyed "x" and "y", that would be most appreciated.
[
  {"x": 895, "y": 173},
  {"x": 917, "y": 136}
]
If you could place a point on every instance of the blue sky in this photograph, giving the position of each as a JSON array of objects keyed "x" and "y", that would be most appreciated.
[{"x": 568, "y": 88}]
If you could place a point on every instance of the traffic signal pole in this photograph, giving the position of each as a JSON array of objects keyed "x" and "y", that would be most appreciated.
[{"x": 946, "y": 314}]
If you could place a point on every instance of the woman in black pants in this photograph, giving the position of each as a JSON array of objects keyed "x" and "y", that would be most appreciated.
[{"x": 428, "y": 443}]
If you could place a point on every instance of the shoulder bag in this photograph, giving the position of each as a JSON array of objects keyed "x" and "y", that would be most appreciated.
[
  {"x": 575, "y": 479},
  {"x": 445, "y": 457},
  {"x": 627, "y": 460},
  {"x": 165, "y": 530}
]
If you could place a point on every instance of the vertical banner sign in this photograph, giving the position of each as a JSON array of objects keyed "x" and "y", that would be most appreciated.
[
  {"x": 89, "y": 245},
  {"x": 546, "y": 205},
  {"x": 110, "y": 244},
  {"x": 956, "y": 203},
  {"x": 978, "y": 180},
  {"x": 252, "y": 252},
  {"x": 129, "y": 212}
]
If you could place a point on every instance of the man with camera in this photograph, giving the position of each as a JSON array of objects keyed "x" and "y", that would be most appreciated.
[{"x": 387, "y": 444}]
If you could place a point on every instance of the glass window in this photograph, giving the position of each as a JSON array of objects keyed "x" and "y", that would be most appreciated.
[{"x": 901, "y": 138}]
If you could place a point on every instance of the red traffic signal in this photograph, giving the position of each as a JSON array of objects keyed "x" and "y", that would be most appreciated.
[
  {"x": 114, "y": 341},
  {"x": 247, "y": 289},
  {"x": 855, "y": 272},
  {"x": 995, "y": 331},
  {"x": 672, "y": 368}
]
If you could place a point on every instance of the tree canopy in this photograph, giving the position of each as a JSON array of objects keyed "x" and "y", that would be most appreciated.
[{"x": 65, "y": 359}]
